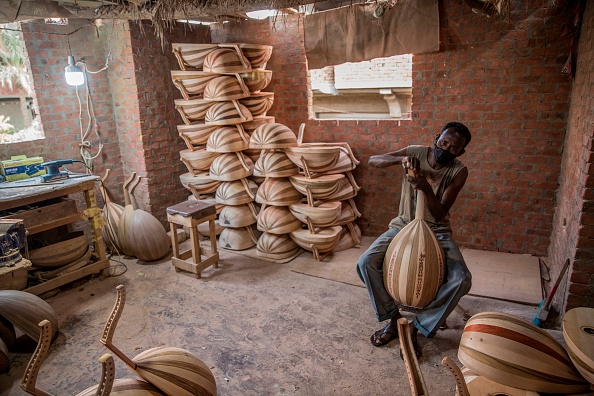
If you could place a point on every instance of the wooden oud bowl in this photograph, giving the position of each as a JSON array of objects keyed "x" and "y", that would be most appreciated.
[
  {"x": 238, "y": 238},
  {"x": 195, "y": 135},
  {"x": 250, "y": 126},
  {"x": 322, "y": 215},
  {"x": 236, "y": 192},
  {"x": 275, "y": 247},
  {"x": 257, "y": 80},
  {"x": 324, "y": 240},
  {"x": 25, "y": 311},
  {"x": 514, "y": 352},
  {"x": 277, "y": 192},
  {"x": 277, "y": 220},
  {"x": 226, "y": 60},
  {"x": 237, "y": 216},
  {"x": 225, "y": 88},
  {"x": 70, "y": 248},
  {"x": 257, "y": 54},
  {"x": 199, "y": 184},
  {"x": 578, "y": 332},
  {"x": 274, "y": 164},
  {"x": 350, "y": 237},
  {"x": 191, "y": 56},
  {"x": 273, "y": 136},
  {"x": 191, "y": 83},
  {"x": 231, "y": 166},
  {"x": 228, "y": 139},
  {"x": 316, "y": 159},
  {"x": 258, "y": 103},
  {"x": 322, "y": 187},
  {"x": 197, "y": 160},
  {"x": 192, "y": 110},
  {"x": 227, "y": 113}
]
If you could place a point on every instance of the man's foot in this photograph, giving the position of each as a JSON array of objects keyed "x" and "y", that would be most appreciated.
[
  {"x": 385, "y": 335},
  {"x": 415, "y": 345}
]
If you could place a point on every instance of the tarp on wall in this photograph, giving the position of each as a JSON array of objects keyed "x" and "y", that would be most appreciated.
[{"x": 354, "y": 34}]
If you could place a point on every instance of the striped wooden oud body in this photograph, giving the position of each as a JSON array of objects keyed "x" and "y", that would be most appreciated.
[
  {"x": 199, "y": 184},
  {"x": 191, "y": 83},
  {"x": 226, "y": 88},
  {"x": 237, "y": 238},
  {"x": 191, "y": 56},
  {"x": 236, "y": 192},
  {"x": 578, "y": 332},
  {"x": 251, "y": 126},
  {"x": 258, "y": 103},
  {"x": 276, "y": 247},
  {"x": 273, "y": 136},
  {"x": 321, "y": 187},
  {"x": 237, "y": 216},
  {"x": 227, "y": 113},
  {"x": 322, "y": 215},
  {"x": 278, "y": 220},
  {"x": 195, "y": 135},
  {"x": 514, "y": 352},
  {"x": 228, "y": 139},
  {"x": 414, "y": 264},
  {"x": 231, "y": 166},
  {"x": 322, "y": 241},
  {"x": 257, "y": 80},
  {"x": 197, "y": 160},
  {"x": 25, "y": 311},
  {"x": 274, "y": 164},
  {"x": 315, "y": 158},
  {"x": 226, "y": 60},
  {"x": 192, "y": 110},
  {"x": 257, "y": 54},
  {"x": 277, "y": 192}
]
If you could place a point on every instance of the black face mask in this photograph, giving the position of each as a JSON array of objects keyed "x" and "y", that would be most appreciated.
[{"x": 442, "y": 156}]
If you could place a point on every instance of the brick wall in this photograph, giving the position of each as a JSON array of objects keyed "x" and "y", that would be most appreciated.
[
  {"x": 573, "y": 224},
  {"x": 500, "y": 78}
]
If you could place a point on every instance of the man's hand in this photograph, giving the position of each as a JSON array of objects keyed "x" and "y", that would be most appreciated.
[{"x": 412, "y": 167}]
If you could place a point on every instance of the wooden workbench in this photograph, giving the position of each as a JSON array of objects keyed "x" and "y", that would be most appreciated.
[{"x": 15, "y": 194}]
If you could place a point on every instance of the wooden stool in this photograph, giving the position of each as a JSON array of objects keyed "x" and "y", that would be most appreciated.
[{"x": 190, "y": 214}]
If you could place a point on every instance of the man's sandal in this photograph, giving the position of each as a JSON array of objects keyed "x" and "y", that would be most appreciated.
[{"x": 385, "y": 335}]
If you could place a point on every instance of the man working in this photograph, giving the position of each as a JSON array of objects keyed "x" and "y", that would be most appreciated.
[{"x": 440, "y": 177}]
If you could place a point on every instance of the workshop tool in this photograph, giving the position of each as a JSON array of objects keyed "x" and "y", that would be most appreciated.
[
  {"x": 543, "y": 308},
  {"x": 52, "y": 169},
  {"x": 12, "y": 238}
]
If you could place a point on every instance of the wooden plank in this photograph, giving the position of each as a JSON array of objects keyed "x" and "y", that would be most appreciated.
[
  {"x": 505, "y": 276},
  {"x": 47, "y": 215},
  {"x": 67, "y": 278}
]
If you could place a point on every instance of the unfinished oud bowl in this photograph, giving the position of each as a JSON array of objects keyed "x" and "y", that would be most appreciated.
[
  {"x": 258, "y": 103},
  {"x": 250, "y": 126},
  {"x": 479, "y": 385},
  {"x": 70, "y": 248},
  {"x": 277, "y": 220},
  {"x": 578, "y": 332},
  {"x": 321, "y": 187},
  {"x": 348, "y": 213},
  {"x": 277, "y": 192},
  {"x": 226, "y": 60},
  {"x": 192, "y": 110},
  {"x": 237, "y": 216},
  {"x": 273, "y": 136},
  {"x": 350, "y": 237},
  {"x": 257, "y": 80},
  {"x": 238, "y": 238},
  {"x": 346, "y": 161},
  {"x": 236, "y": 192},
  {"x": 322, "y": 215},
  {"x": 257, "y": 54},
  {"x": 225, "y": 88},
  {"x": 195, "y": 135},
  {"x": 191, "y": 56},
  {"x": 316, "y": 159},
  {"x": 346, "y": 191},
  {"x": 227, "y": 113},
  {"x": 227, "y": 139},
  {"x": 200, "y": 183},
  {"x": 191, "y": 83},
  {"x": 274, "y": 164},
  {"x": 197, "y": 160},
  {"x": 324, "y": 240},
  {"x": 514, "y": 352},
  {"x": 147, "y": 236},
  {"x": 231, "y": 166},
  {"x": 275, "y": 247},
  {"x": 25, "y": 310}
]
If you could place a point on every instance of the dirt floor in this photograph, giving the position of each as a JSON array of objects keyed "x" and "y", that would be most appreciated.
[{"x": 262, "y": 328}]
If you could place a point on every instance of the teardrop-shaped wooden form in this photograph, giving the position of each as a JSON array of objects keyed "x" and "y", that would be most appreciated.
[
  {"x": 237, "y": 238},
  {"x": 197, "y": 160},
  {"x": 414, "y": 264},
  {"x": 350, "y": 237},
  {"x": 277, "y": 192},
  {"x": 226, "y": 88},
  {"x": 231, "y": 166},
  {"x": 200, "y": 183},
  {"x": 278, "y": 220},
  {"x": 25, "y": 311},
  {"x": 578, "y": 332},
  {"x": 226, "y": 60},
  {"x": 275, "y": 247},
  {"x": 273, "y": 136},
  {"x": 192, "y": 110},
  {"x": 514, "y": 352},
  {"x": 228, "y": 139},
  {"x": 274, "y": 164},
  {"x": 257, "y": 54},
  {"x": 252, "y": 125},
  {"x": 258, "y": 103},
  {"x": 257, "y": 80},
  {"x": 227, "y": 113},
  {"x": 321, "y": 187},
  {"x": 237, "y": 216},
  {"x": 191, "y": 83},
  {"x": 191, "y": 56},
  {"x": 236, "y": 192},
  {"x": 314, "y": 159},
  {"x": 195, "y": 135}
]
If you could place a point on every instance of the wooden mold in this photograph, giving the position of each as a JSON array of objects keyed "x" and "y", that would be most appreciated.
[
  {"x": 236, "y": 192},
  {"x": 346, "y": 191},
  {"x": 313, "y": 158},
  {"x": 514, "y": 352},
  {"x": 191, "y": 83},
  {"x": 578, "y": 333},
  {"x": 25, "y": 311},
  {"x": 226, "y": 60},
  {"x": 174, "y": 371},
  {"x": 346, "y": 159},
  {"x": 227, "y": 113},
  {"x": 350, "y": 237},
  {"x": 200, "y": 183},
  {"x": 414, "y": 264},
  {"x": 191, "y": 56},
  {"x": 239, "y": 215},
  {"x": 275, "y": 247},
  {"x": 238, "y": 238},
  {"x": 272, "y": 136},
  {"x": 257, "y": 80},
  {"x": 193, "y": 110},
  {"x": 231, "y": 166},
  {"x": 257, "y": 54},
  {"x": 274, "y": 164},
  {"x": 323, "y": 215},
  {"x": 226, "y": 88},
  {"x": 348, "y": 213},
  {"x": 228, "y": 139},
  {"x": 258, "y": 103},
  {"x": 321, "y": 187},
  {"x": 70, "y": 248},
  {"x": 319, "y": 243},
  {"x": 197, "y": 160},
  {"x": 195, "y": 135},
  {"x": 277, "y": 220},
  {"x": 277, "y": 192}
]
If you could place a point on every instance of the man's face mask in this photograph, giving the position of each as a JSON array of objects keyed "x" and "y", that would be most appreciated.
[{"x": 442, "y": 156}]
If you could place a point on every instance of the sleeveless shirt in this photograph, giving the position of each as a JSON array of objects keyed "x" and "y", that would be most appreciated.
[{"x": 439, "y": 179}]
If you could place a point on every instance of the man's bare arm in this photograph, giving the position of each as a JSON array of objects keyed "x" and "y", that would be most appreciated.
[
  {"x": 388, "y": 159},
  {"x": 440, "y": 209}
]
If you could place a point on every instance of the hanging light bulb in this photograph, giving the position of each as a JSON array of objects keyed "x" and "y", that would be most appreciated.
[
  {"x": 74, "y": 74},
  {"x": 261, "y": 14}
]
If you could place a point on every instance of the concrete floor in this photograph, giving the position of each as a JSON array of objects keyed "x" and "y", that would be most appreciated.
[{"x": 263, "y": 330}]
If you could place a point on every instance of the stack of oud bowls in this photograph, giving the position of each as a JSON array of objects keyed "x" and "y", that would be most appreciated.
[
  {"x": 222, "y": 103},
  {"x": 328, "y": 212},
  {"x": 276, "y": 192}
]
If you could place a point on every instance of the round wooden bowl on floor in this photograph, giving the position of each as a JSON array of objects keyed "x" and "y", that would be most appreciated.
[
  {"x": 210, "y": 199},
  {"x": 192, "y": 110},
  {"x": 70, "y": 248},
  {"x": 225, "y": 88},
  {"x": 231, "y": 166},
  {"x": 148, "y": 238},
  {"x": 317, "y": 159},
  {"x": 274, "y": 164},
  {"x": 191, "y": 83},
  {"x": 275, "y": 247},
  {"x": 237, "y": 216},
  {"x": 200, "y": 183},
  {"x": 322, "y": 215},
  {"x": 250, "y": 126},
  {"x": 321, "y": 187},
  {"x": 277, "y": 192},
  {"x": 324, "y": 240},
  {"x": 258, "y": 103},
  {"x": 227, "y": 113},
  {"x": 277, "y": 220},
  {"x": 197, "y": 160},
  {"x": 514, "y": 352},
  {"x": 225, "y": 60},
  {"x": 195, "y": 135},
  {"x": 347, "y": 239},
  {"x": 25, "y": 311},
  {"x": 237, "y": 238},
  {"x": 578, "y": 333},
  {"x": 191, "y": 56},
  {"x": 257, "y": 80},
  {"x": 227, "y": 139},
  {"x": 236, "y": 192},
  {"x": 273, "y": 136}
]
